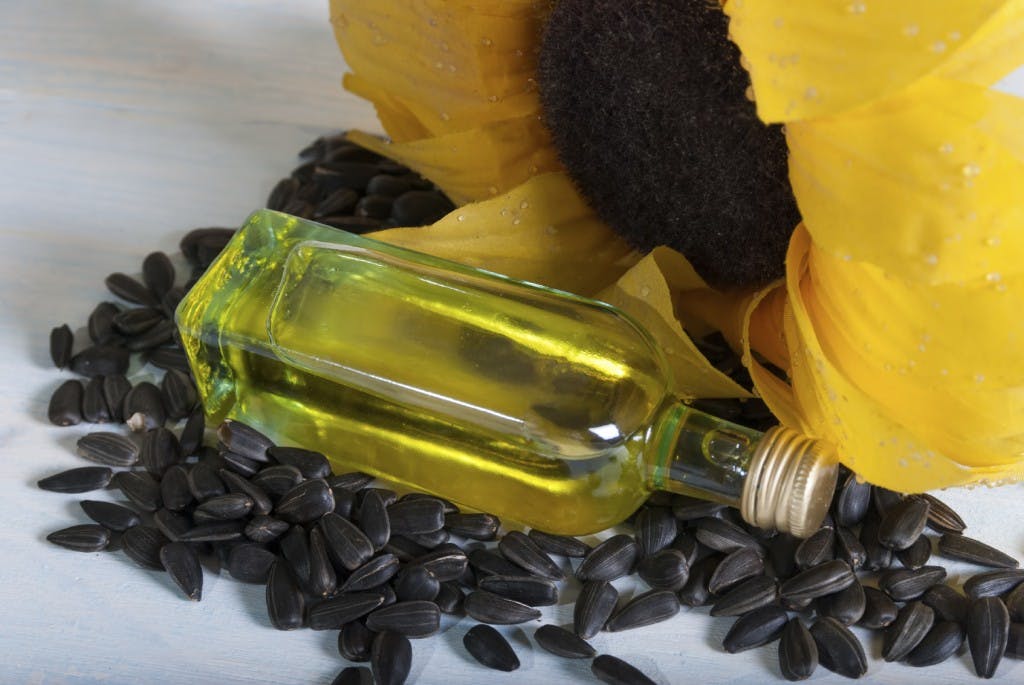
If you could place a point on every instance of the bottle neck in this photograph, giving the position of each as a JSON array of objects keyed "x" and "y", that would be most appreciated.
[{"x": 779, "y": 479}]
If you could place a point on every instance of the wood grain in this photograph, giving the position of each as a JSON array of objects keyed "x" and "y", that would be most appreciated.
[{"x": 125, "y": 123}]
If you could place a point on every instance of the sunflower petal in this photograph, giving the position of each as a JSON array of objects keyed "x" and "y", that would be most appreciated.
[
  {"x": 925, "y": 184},
  {"x": 811, "y": 58}
]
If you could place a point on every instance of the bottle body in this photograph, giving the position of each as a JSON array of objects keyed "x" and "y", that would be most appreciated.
[{"x": 539, "y": 406}]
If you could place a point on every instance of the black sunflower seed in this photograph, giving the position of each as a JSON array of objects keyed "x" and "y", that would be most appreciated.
[
  {"x": 261, "y": 504},
  {"x": 816, "y": 549},
  {"x": 529, "y": 590},
  {"x": 100, "y": 360},
  {"x": 485, "y": 644},
  {"x": 446, "y": 562},
  {"x": 614, "y": 671},
  {"x": 839, "y": 650},
  {"x": 352, "y": 481},
  {"x": 129, "y": 289},
  {"x": 749, "y": 595},
  {"x": 278, "y": 479},
  {"x": 734, "y": 569},
  {"x": 241, "y": 466},
  {"x": 264, "y": 529},
  {"x": 109, "y": 449},
  {"x": 695, "y": 592},
  {"x": 174, "y": 488},
  {"x": 906, "y": 632},
  {"x": 941, "y": 642},
  {"x": 101, "y": 323},
  {"x": 168, "y": 358},
  {"x": 563, "y": 643},
  {"x": 759, "y": 627},
  {"x": 852, "y": 501},
  {"x": 161, "y": 334},
  {"x": 954, "y": 546},
  {"x": 849, "y": 548},
  {"x": 877, "y": 557},
  {"x": 192, "y": 434},
  {"x": 484, "y": 562},
  {"x": 655, "y": 529},
  {"x": 311, "y": 464},
  {"x": 410, "y": 517},
  {"x": 294, "y": 548},
  {"x": 159, "y": 451},
  {"x": 884, "y": 499},
  {"x": 158, "y": 272},
  {"x": 243, "y": 439},
  {"x": 250, "y": 563},
  {"x": 798, "y": 653},
  {"x": 305, "y": 502},
  {"x": 204, "y": 481},
  {"x": 917, "y": 555},
  {"x": 216, "y": 531},
  {"x": 1015, "y": 641},
  {"x": 227, "y": 507},
  {"x": 61, "y": 341},
  {"x": 137, "y": 320},
  {"x": 374, "y": 572},
  {"x": 416, "y": 618},
  {"x": 905, "y": 584},
  {"x": 349, "y": 546},
  {"x": 354, "y": 640},
  {"x": 724, "y": 536},
  {"x": 140, "y": 488},
  {"x": 818, "y": 581},
  {"x": 903, "y": 523},
  {"x": 1014, "y": 601},
  {"x": 988, "y": 628},
  {"x": 518, "y": 548},
  {"x": 86, "y": 537},
  {"x": 612, "y": 559},
  {"x": 948, "y": 604},
  {"x": 171, "y": 299},
  {"x": 941, "y": 517},
  {"x": 488, "y": 607},
  {"x": 179, "y": 394},
  {"x": 353, "y": 675},
  {"x": 282, "y": 193},
  {"x": 416, "y": 583},
  {"x": 473, "y": 526},
  {"x": 846, "y": 606},
  {"x": 110, "y": 515},
  {"x": 182, "y": 565},
  {"x": 189, "y": 244},
  {"x": 691, "y": 508},
  {"x": 665, "y": 570},
  {"x": 993, "y": 583},
  {"x": 83, "y": 479},
  {"x": 115, "y": 388},
  {"x": 94, "y": 407},
  {"x": 285, "y": 602},
  {"x": 390, "y": 658},
  {"x": 781, "y": 555},
  {"x": 594, "y": 606},
  {"x": 429, "y": 540},
  {"x": 143, "y": 544},
  {"x": 450, "y": 598},
  {"x": 333, "y": 613},
  {"x": 172, "y": 524},
  {"x": 143, "y": 408},
  {"x": 644, "y": 610},
  {"x": 879, "y": 609},
  {"x": 562, "y": 545}
]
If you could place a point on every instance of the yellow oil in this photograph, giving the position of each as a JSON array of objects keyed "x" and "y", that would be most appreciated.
[{"x": 535, "y": 405}]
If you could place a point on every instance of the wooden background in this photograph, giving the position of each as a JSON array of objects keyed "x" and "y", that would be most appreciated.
[{"x": 122, "y": 125}]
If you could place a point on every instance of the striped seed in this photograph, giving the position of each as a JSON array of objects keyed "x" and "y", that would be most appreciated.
[
  {"x": 86, "y": 537},
  {"x": 852, "y": 501},
  {"x": 110, "y": 515},
  {"x": 644, "y": 610},
  {"x": 390, "y": 658},
  {"x": 115, "y": 388},
  {"x": 816, "y": 549},
  {"x": 879, "y": 609},
  {"x": 278, "y": 479},
  {"x": 749, "y": 595},
  {"x": 101, "y": 323},
  {"x": 941, "y": 642},
  {"x": 655, "y": 528},
  {"x": 530, "y": 590},
  {"x": 261, "y": 504},
  {"x": 242, "y": 466},
  {"x": 724, "y": 536},
  {"x": 352, "y": 481},
  {"x": 488, "y": 607},
  {"x": 846, "y": 606},
  {"x": 250, "y": 563},
  {"x": 759, "y": 627},
  {"x": 409, "y": 517},
  {"x": 137, "y": 320},
  {"x": 849, "y": 548},
  {"x": 948, "y": 604},
  {"x": 695, "y": 592},
  {"x": 174, "y": 489},
  {"x": 159, "y": 451},
  {"x": 446, "y": 562},
  {"x": 140, "y": 488},
  {"x": 333, "y": 613},
  {"x": 839, "y": 650},
  {"x": 484, "y": 562},
  {"x": 942, "y": 518},
  {"x": 917, "y": 555},
  {"x": 82, "y": 479},
  {"x": 322, "y": 578},
  {"x": 263, "y": 529},
  {"x": 614, "y": 671},
  {"x": 172, "y": 524},
  {"x": 216, "y": 531},
  {"x": 734, "y": 569},
  {"x": 518, "y": 548},
  {"x": 593, "y": 608},
  {"x": 108, "y": 449},
  {"x": 143, "y": 544},
  {"x": 349, "y": 547},
  {"x": 94, "y": 406},
  {"x": 665, "y": 570},
  {"x": 311, "y": 464},
  {"x": 954, "y": 546},
  {"x": 179, "y": 394},
  {"x": 143, "y": 408},
  {"x": 798, "y": 653},
  {"x": 130, "y": 290},
  {"x": 354, "y": 641},
  {"x": 158, "y": 272},
  {"x": 306, "y": 502},
  {"x": 285, "y": 601},
  {"x": 562, "y": 545},
  {"x": 903, "y": 523},
  {"x": 563, "y": 643},
  {"x": 905, "y": 584},
  {"x": 472, "y": 526},
  {"x": 877, "y": 557},
  {"x": 450, "y": 598},
  {"x": 907, "y": 631},
  {"x": 414, "y": 619},
  {"x": 243, "y": 439},
  {"x": 182, "y": 565},
  {"x": 204, "y": 482},
  {"x": 612, "y": 559},
  {"x": 490, "y": 648},
  {"x": 374, "y": 572},
  {"x": 191, "y": 437},
  {"x": 988, "y": 629},
  {"x": 416, "y": 583},
  {"x": 993, "y": 583},
  {"x": 818, "y": 581}
]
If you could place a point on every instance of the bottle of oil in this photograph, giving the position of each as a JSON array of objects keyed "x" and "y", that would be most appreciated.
[{"x": 537, "y": 405}]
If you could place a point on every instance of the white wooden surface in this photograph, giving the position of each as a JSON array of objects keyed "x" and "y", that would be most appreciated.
[{"x": 125, "y": 123}]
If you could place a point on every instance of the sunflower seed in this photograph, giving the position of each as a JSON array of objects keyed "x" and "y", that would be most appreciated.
[
  {"x": 160, "y": 451},
  {"x": 311, "y": 464},
  {"x": 690, "y": 508},
  {"x": 390, "y": 658},
  {"x": 204, "y": 482},
  {"x": 644, "y": 610},
  {"x": 655, "y": 529},
  {"x": 879, "y": 609},
  {"x": 333, "y": 613},
  {"x": 473, "y": 526},
  {"x": 735, "y": 568},
  {"x": 903, "y": 523},
  {"x": 109, "y": 449},
  {"x": 781, "y": 555},
  {"x": 217, "y": 531},
  {"x": 353, "y": 675},
  {"x": 941, "y": 517},
  {"x": 250, "y": 563},
  {"x": 486, "y": 562},
  {"x": 446, "y": 562},
  {"x": 416, "y": 618},
  {"x": 518, "y": 548},
  {"x": 282, "y": 192},
  {"x": 759, "y": 627},
  {"x": 161, "y": 334},
  {"x": 110, "y": 515},
  {"x": 170, "y": 301},
  {"x": 143, "y": 408},
  {"x": 142, "y": 544},
  {"x": 285, "y": 602},
  {"x": 416, "y": 516},
  {"x": 261, "y": 504},
  {"x": 245, "y": 440},
  {"x": 852, "y": 501},
  {"x": 1014, "y": 601},
  {"x": 817, "y": 549},
  {"x": 158, "y": 272},
  {"x": 562, "y": 545},
  {"x": 387, "y": 496},
  {"x": 349, "y": 546},
  {"x": 798, "y": 654},
  {"x": 114, "y": 387},
  {"x": 846, "y": 606},
  {"x": 905, "y": 584},
  {"x": 818, "y": 581},
  {"x": 485, "y": 644},
  {"x": 306, "y": 502},
  {"x": 563, "y": 643},
  {"x": 140, "y": 488},
  {"x": 429, "y": 540},
  {"x": 613, "y": 670},
  {"x": 917, "y": 555},
  {"x": 83, "y": 479},
  {"x": 86, "y": 537},
  {"x": 839, "y": 650},
  {"x": 488, "y": 607},
  {"x": 941, "y": 642},
  {"x": 665, "y": 570},
  {"x": 61, "y": 341},
  {"x": 172, "y": 524},
  {"x": 167, "y": 358},
  {"x": 954, "y": 546},
  {"x": 227, "y": 507},
  {"x": 948, "y": 604},
  {"x": 129, "y": 289},
  {"x": 416, "y": 583},
  {"x": 450, "y": 598},
  {"x": 749, "y": 595},
  {"x": 352, "y": 481},
  {"x": 182, "y": 565},
  {"x": 993, "y": 583},
  {"x": 264, "y": 529},
  {"x": 988, "y": 628},
  {"x": 94, "y": 407},
  {"x": 277, "y": 480},
  {"x": 179, "y": 394},
  {"x": 294, "y": 547},
  {"x": 687, "y": 544},
  {"x": 374, "y": 572},
  {"x": 354, "y": 641},
  {"x": 695, "y": 592},
  {"x": 100, "y": 360},
  {"x": 612, "y": 559},
  {"x": 137, "y": 320},
  {"x": 189, "y": 244},
  {"x": 877, "y": 557},
  {"x": 192, "y": 434},
  {"x": 241, "y": 466},
  {"x": 1015, "y": 641},
  {"x": 174, "y": 488},
  {"x": 884, "y": 499},
  {"x": 724, "y": 536},
  {"x": 911, "y": 625},
  {"x": 101, "y": 323}
]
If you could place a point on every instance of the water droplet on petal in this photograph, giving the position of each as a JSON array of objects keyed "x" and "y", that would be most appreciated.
[
  {"x": 645, "y": 291},
  {"x": 993, "y": 277},
  {"x": 938, "y": 46},
  {"x": 492, "y": 98},
  {"x": 857, "y": 7},
  {"x": 486, "y": 42},
  {"x": 911, "y": 30},
  {"x": 445, "y": 116},
  {"x": 971, "y": 170},
  {"x": 992, "y": 241},
  {"x": 550, "y": 230},
  {"x": 493, "y": 190},
  {"x": 946, "y": 148},
  {"x": 954, "y": 35},
  {"x": 979, "y": 378},
  {"x": 779, "y": 22},
  {"x": 931, "y": 259},
  {"x": 524, "y": 205},
  {"x": 460, "y": 217},
  {"x": 811, "y": 93}
]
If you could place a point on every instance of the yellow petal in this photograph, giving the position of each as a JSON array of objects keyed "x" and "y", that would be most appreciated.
[
  {"x": 926, "y": 184},
  {"x": 476, "y": 164},
  {"x": 811, "y": 58},
  {"x": 993, "y": 51},
  {"x": 645, "y": 293},
  {"x": 540, "y": 231}
]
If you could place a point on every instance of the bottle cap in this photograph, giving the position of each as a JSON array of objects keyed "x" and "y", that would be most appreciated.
[{"x": 790, "y": 483}]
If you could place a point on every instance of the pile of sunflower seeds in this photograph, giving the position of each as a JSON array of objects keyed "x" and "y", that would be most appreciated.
[{"x": 342, "y": 552}]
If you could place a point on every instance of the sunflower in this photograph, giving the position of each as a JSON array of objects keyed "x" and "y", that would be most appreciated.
[{"x": 898, "y": 318}]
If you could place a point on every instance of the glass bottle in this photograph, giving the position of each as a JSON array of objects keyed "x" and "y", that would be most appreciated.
[{"x": 534, "y": 404}]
